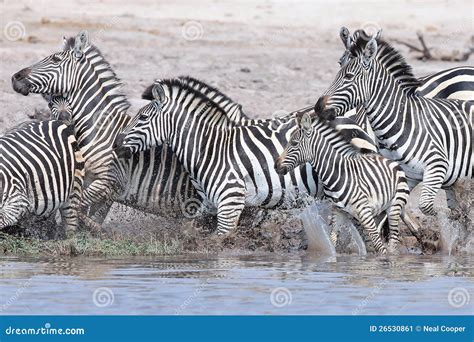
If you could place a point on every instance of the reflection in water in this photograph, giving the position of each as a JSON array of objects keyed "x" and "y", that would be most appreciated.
[{"x": 249, "y": 284}]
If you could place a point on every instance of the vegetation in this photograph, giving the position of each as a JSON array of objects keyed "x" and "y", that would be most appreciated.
[{"x": 84, "y": 244}]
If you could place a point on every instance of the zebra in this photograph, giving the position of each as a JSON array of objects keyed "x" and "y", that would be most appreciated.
[
  {"x": 455, "y": 83},
  {"x": 430, "y": 138},
  {"x": 152, "y": 181},
  {"x": 366, "y": 185},
  {"x": 41, "y": 171},
  {"x": 59, "y": 108},
  {"x": 232, "y": 167}
]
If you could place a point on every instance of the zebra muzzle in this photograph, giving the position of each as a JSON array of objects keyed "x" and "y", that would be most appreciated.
[
  {"x": 20, "y": 82},
  {"x": 281, "y": 169}
]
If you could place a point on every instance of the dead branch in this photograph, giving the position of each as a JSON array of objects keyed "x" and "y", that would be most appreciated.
[{"x": 426, "y": 55}]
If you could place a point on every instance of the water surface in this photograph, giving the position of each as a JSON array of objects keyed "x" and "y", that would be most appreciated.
[{"x": 242, "y": 284}]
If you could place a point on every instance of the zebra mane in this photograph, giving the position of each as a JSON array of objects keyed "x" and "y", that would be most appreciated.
[
  {"x": 390, "y": 58},
  {"x": 27, "y": 125},
  {"x": 346, "y": 128},
  {"x": 114, "y": 84},
  {"x": 210, "y": 92},
  {"x": 202, "y": 91},
  {"x": 352, "y": 134}
]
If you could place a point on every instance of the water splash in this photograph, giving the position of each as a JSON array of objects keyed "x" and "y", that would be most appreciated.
[
  {"x": 326, "y": 237},
  {"x": 350, "y": 240},
  {"x": 316, "y": 218},
  {"x": 449, "y": 233}
]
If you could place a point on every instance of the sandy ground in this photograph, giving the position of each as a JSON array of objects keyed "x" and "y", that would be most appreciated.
[{"x": 271, "y": 56}]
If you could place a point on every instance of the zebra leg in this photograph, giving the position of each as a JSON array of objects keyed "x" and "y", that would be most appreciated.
[
  {"x": 366, "y": 219},
  {"x": 394, "y": 213},
  {"x": 70, "y": 210},
  {"x": 16, "y": 206},
  {"x": 432, "y": 181},
  {"x": 228, "y": 214}
]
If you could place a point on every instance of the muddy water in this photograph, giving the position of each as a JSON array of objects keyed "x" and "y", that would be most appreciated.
[{"x": 263, "y": 284}]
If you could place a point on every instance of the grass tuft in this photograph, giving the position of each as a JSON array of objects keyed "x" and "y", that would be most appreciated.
[{"x": 84, "y": 244}]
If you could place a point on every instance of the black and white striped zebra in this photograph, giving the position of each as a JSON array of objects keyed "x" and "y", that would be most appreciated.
[
  {"x": 152, "y": 181},
  {"x": 366, "y": 185},
  {"x": 430, "y": 138},
  {"x": 232, "y": 167},
  {"x": 455, "y": 83},
  {"x": 41, "y": 171},
  {"x": 60, "y": 109}
]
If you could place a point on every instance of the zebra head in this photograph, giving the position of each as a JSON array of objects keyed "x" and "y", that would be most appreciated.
[
  {"x": 60, "y": 108},
  {"x": 353, "y": 84},
  {"x": 298, "y": 149},
  {"x": 348, "y": 41},
  {"x": 54, "y": 74},
  {"x": 145, "y": 130}
]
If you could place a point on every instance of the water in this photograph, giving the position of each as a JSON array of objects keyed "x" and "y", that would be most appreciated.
[{"x": 240, "y": 284}]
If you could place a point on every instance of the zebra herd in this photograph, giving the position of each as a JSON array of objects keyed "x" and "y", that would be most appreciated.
[{"x": 193, "y": 143}]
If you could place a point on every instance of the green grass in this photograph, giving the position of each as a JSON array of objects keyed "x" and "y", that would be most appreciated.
[{"x": 83, "y": 244}]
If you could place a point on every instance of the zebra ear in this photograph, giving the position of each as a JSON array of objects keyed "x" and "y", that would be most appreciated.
[
  {"x": 306, "y": 122},
  {"x": 345, "y": 37},
  {"x": 378, "y": 35},
  {"x": 370, "y": 51},
  {"x": 80, "y": 43},
  {"x": 158, "y": 93}
]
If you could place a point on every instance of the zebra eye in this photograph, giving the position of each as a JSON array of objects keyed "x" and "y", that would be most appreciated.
[
  {"x": 349, "y": 76},
  {"x": 56, "y": 59},
  {"x": 143, "y": 117},
  {"x": 294, "y": 142}
]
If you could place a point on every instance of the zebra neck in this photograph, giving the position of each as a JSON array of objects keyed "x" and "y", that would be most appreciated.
[
  {"x": 99, "y": 110},
  {"x": 391, "y": 110},
  {"x": 330, "y": 153}
]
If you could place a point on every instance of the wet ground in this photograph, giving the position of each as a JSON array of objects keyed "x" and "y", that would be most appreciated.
[{"x": 242, "y": 284}]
